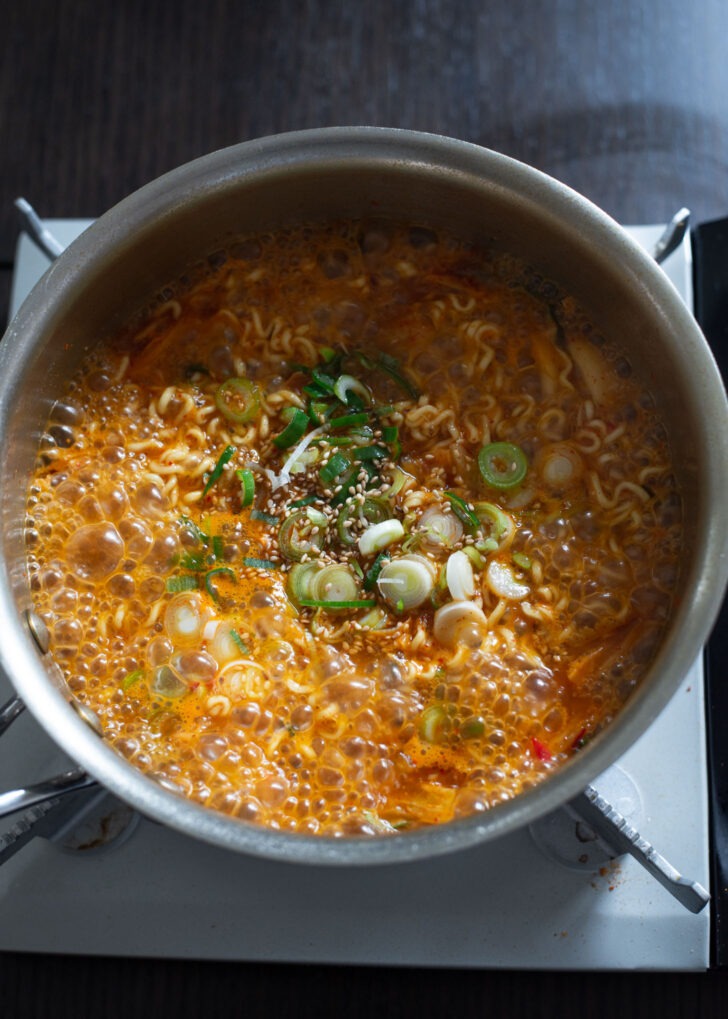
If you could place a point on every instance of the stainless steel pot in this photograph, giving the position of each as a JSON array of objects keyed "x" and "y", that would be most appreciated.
[{"x": 151, "y": 236}]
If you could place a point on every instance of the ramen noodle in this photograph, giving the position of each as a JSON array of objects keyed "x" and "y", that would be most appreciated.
[{"x": 357, "y": 529}]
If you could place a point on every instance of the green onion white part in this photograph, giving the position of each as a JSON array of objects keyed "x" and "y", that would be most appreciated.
[
  {"x": 379, "y": 536},
  {"x": 439, "y": 529},
  {"x": 502, "y": 582},
  {"x": 459, "y": 575},
  {"x": 407, "y": 582},
  {"x": 454, "y": 619}
]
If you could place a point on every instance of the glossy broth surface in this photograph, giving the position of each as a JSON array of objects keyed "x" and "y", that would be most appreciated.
[{"x": 357, "y": 529}]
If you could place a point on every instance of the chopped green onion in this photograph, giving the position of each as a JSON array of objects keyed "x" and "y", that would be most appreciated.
[
  {"x": 335, "y": 583},
  {"x": 238, "y": 400},
  {"x": 193, "y": 529},
  {"x": 239, "y": 642},
  {"x": 371, "y": 511},
  {"x": 434, "y": 724},
  {"x": 209, "y": 581},
  {"x": 300, "y": 580},
  {"x": 522, "y": 560},
  {"x": 399, "y": 480},
  {"x": 346, "y": 387},
  {"x": 502, "y": 582},
  {"x": 324, "y": 381},
  {"x": 194, "y": 561},
  {"x": 350, "y": 481},
  {"x": 293, "y": 431},
  {"x": 472, "y": 728},
  {"x": 327, "y": 353},
  {"x": 390, "y": 434},
  {"x": 318, "y": 410},
  {"x": 218, "y": 546},
  {"x": 502, "y": 464},
  {"x": 349, "y": 420},
  {"x": 461, "y": 510},
  {"x": 315, "y": 391},
  {"x": 499, "y": 525},
  {"x": 355, "y": 603},
  {"x": 176, "y": 584},
  {"x": 406, "y": 582},
  {"x": 393, "y": 368},
  {"x": 259, "y": 564},
  {"x": 378, "y": 536},
  {"x": 302, "y": 533},
  {"x": 247, "y": 486},
  {"x": 305, "y": 501},
  {"x": 217, "y": 470},
  {"x": 334, "y": 467},
  {"x": 131, "y": 678},
  {"x": 371, "y": 453},
  {"x": 474, "y": 556},
  {"x": 459, "y": 576},
  {"x": 370, "y": 577},
  {"x": 377, "y": 619},
  {"x": 267, "y": 518}
]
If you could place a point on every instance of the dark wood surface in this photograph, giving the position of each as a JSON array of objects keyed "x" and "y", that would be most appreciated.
[{"x": 625, "y": 100}]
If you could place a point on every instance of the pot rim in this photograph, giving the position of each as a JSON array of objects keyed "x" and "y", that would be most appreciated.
[{"x": 392, "y": 150}]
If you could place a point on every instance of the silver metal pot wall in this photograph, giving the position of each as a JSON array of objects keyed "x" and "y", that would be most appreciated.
[{"x": 150, "y": 237}]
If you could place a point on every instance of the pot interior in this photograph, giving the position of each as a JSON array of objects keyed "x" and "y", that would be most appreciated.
[{"x": 155, "y": 236}]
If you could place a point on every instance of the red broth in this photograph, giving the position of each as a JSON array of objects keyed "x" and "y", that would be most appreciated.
[{"x": 359, "y": 530}]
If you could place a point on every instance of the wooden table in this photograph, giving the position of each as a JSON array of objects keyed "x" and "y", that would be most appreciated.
[{"x": 625, "y": 100}]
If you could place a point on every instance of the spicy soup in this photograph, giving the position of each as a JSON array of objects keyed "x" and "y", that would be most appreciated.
[{"x": 358, "y": 529}]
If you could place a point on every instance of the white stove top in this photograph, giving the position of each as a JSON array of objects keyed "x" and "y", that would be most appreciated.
[{"x": 506, "y": 904}]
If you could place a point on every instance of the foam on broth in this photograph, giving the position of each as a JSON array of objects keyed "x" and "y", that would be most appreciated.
[{"x": 276, "y": 537}]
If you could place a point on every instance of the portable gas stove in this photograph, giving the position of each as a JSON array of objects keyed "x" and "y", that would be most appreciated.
[{"x": 98, "y": 879}]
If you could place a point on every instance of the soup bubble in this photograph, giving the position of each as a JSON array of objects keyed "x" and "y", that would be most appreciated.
[{"x": 94, "y": 551}]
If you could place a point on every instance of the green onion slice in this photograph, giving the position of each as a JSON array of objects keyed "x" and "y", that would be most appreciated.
[
  {"x": 305, "y": 501},
  {"x": 371, "y": 575},
  {"x": 293, "y": 431},
  {"x": 334, "y": 583},
  {"x": 299, "y": 582},
  {"x": 522, "y": 560},
  {"x": 462, "y": 511},
  {"x": 302, "y": 533},
  {"x": 355, "y": 603},
  {"x": 371, "y": 453},
  {"x": 407, "y": 581},
  {"x": 247, "y": 486},
  {"x": 217, "y": 470},
  {"x": 392, "y": 367},
  {"x": 177, "y": 584},
  {"x": 324, "y": 381},
  {"x": 335, "y": 466},
  {"x": 371, "y": 511},
  {"x": 434, "y": 724},
  {"x": 238, "y": 400},
  {"x": 131, "y": 678},
  {"x": 498, "y": 525},
  {"x": 350, "y": 420},
  {"x": 193, "y": 530},
  {"x": 472, "y": 728},
  {"x": 259, "y": 564},
  {"x": 502, "y": 465},
  {"x": 239, "y": 642},
  {"x": 346, "y": 387},
  {"x": 210, "y": 577},
  {"x": 266, "y": 518}
]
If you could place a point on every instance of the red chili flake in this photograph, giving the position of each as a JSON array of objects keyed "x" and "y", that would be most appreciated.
[{"x": 540, "y": 750}]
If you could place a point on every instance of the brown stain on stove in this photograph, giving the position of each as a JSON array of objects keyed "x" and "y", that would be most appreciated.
[{"x": 611, "y": 873}]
